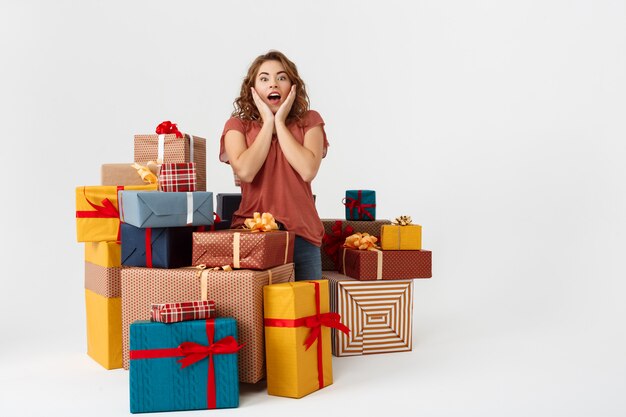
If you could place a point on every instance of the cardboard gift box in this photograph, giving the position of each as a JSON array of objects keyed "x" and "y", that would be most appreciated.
[
  {"x": 226, "y": 204},
  {"x": 97, "y": 216},
  {"x": 104, "y": 329},
  {"x": 360, "y": 205},
  {"x": 159, "y": 247},
  {"x": 386, "y": 264},
  {"x": 120, "y": 174},
  {"x": 379, "y": 315},
  {"x": 103, "y": 280},
  {"x": 156, "y": 209},
  {"x": 244, "y": 249},
  {"x": 297, "y": 337},
  {"x": 175, "y": 312},
  {"x": 169, "y": 148},
  {"x": 237, "y": 294},
  {"x": 395, "y": 237},
  {"x": 177, "y": 177},
  {"x": 106, "y": 254},
  {"x": 189, "y": 365},
  {"x": 335, "y": 233}
]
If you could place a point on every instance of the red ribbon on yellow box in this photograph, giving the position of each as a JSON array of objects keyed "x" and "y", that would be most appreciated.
[
  {"x": 193, "y": 352},
  {"x": 315, "y": 323}
]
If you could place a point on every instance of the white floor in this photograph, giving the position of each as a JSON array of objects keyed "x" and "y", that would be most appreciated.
[{"x": 478, "y": 359}]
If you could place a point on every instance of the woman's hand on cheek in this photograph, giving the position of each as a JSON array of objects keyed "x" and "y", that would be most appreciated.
[
  {"x": 285, "y": 108},
  {"x": 264, "y": 109}
]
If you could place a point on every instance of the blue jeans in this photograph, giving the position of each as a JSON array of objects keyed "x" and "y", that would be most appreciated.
[{"x": 307, "y": 259}]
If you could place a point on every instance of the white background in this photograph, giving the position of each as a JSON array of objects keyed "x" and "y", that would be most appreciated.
[{"x": 497, "y": 125}]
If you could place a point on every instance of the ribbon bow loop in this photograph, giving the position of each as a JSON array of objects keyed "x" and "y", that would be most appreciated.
[
  {"x": 261, "y": 223},
  {"x": 167, "y": 127},
  {"x": 334, "y": 240},
  {"x": 194, "y": 352},
  {"x": 315, "y": 323}
]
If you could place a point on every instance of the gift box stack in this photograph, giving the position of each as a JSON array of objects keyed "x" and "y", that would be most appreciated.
[{"x": 371, "y": 286}]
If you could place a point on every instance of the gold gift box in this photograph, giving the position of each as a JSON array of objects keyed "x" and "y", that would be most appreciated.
[
  {"x": 292, "y": 370},
  {"x": 107, "y": 254},
  {"x": 97, "y": 216},
  {"x": 394, "y": 237},
  {"x": 104, "y": 329}
]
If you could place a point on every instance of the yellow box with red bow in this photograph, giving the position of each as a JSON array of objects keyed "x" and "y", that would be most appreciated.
[
  {"x": 97, "y": 216},
  {"x": 297, "y": 337}
]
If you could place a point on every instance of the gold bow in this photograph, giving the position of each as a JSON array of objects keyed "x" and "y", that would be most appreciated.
[
  {"x": 361, "y": 241},
  {"x": 261, "y": 223},
  {"x": 148, "y": 173},
  {"x": 403, "y": 221}
]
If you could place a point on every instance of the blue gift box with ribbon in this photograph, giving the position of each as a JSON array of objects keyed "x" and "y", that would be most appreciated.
[
  {"x": 159, "y": 247},
  {"x": 158, "y": 209},
  {"x": 188, "y": 365},
  {"x": 360, "y": 205}
]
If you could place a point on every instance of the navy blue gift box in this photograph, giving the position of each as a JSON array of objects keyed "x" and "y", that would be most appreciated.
[{"x": 158, "y": 247}]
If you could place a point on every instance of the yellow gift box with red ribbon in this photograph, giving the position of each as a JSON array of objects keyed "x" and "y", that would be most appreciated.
[
  {"x": 297, "y": 337},
  {"x": 97, "y": 216}
]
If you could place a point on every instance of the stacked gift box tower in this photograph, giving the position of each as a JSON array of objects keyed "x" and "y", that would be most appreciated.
[{"x": 183, "y": 301}]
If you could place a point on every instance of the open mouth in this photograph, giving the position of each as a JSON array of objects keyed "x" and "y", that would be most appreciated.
[{"x": 274, "y": 98}]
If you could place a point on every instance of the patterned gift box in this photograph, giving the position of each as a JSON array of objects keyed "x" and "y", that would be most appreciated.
[
  {"x": 379, "y": 315},
  {"x": 104, "y": 329},
  {"x": 120, "y": 174},
  {"x": 97, "y": 216},
  {"x": 159, "y": 247},
  {"x": 387, "y": 264},
  {"x": 103, "y": 253},
  {"x": 226, "y": 204},
  {"x": 169, "y": 148},
  {"x": 241, "y": 248},
  {"x": 297, "y": 338},
  {"x": 188, "y": 365},
  {"x": 237, "y": 294},
  {"x": 394, "y": 237},
  {"x": 175, "y": 312},
  {"x": 335, "y": 233},
  {"x": 105, "y": 281},
  {"x": 360, "y": 205},
  {"x": 156, "y": 209},
  {"x": 177, "y": 177}
]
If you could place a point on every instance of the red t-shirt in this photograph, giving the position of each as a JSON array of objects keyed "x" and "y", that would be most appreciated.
[{"x": 277, "y": 188}]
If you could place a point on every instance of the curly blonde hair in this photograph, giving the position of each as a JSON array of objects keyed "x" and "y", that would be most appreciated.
[{"x": 246, "y": 110}]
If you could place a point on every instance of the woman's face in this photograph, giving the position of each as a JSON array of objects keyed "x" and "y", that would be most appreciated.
[{"x": 272, "y": 84}]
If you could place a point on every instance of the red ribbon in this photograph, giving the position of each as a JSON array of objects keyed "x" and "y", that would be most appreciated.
[
  {"x": 357, "y": 204},
  {"x": 168, "y": 127},
  {"x": 315, "y": 323},
  {"x": 216, "y": 220},
  {"x": 333, "y": 241},
  {"x": 106, "y": 211},
  {"x": 193, "y": 352},
  {"x": 149, "y": 247}
]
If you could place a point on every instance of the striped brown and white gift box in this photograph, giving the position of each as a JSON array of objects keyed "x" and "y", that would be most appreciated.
[
  {"x": 147, "y": 148},
  {"x": 177, "y": 177},
  {"x": 379, "y": 315}
]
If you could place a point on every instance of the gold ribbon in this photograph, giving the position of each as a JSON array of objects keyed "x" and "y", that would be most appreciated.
[
  {"x": 236, "y": 252},
  {"x": 261, "y": 223},
  {"x": 361, "y": 241},
  {"x": 403, "y": 221},
  {"x": 203, "y": 274},
  {"x": 149, "y": 172}
]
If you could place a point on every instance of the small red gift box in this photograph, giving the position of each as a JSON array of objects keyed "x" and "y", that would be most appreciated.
[
  {"x": 177, "y": 177},
  {"x": 175, "y": 312}
]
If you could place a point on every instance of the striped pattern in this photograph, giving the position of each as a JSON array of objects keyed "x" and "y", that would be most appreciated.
[
  {"x": 175, "y": 312},
  {"x": 177, "y": 177},
  {"x": 379, "y": 315}
]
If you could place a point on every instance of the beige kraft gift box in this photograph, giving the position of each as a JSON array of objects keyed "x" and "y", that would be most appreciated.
[
  {"x": 237, "y": 294},
  {"x": 189, "y": 148}
]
